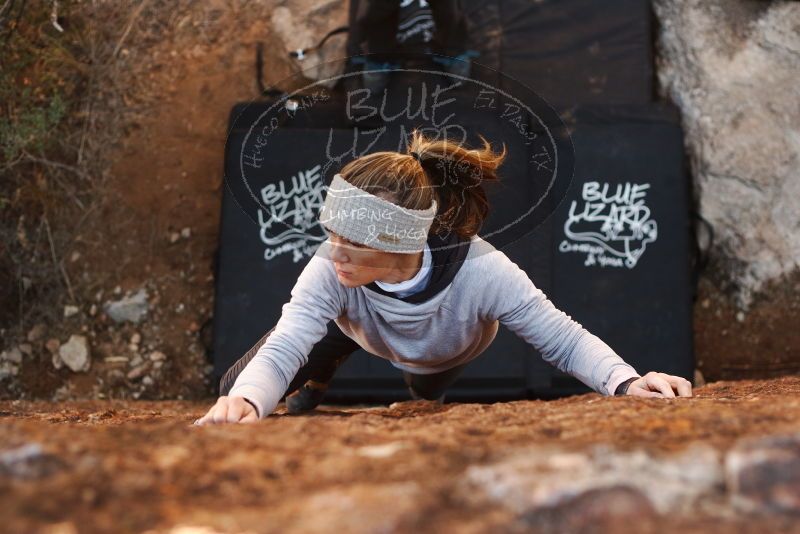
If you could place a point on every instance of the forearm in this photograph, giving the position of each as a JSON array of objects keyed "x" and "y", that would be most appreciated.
[
  {"x": 562, "y": 341},
  {"x": 596, "y": 364},
  {"x": 261, "y": 383},
  {"x": 316, "y": 300}
]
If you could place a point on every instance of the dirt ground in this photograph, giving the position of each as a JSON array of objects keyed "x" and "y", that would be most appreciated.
[{"x": 140, "y": 466}]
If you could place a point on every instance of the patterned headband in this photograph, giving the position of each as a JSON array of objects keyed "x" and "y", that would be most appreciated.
[{"x": 365, "y": 218}]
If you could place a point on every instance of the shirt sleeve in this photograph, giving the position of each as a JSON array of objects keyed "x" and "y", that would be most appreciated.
[
  {"x": 516, "y": 302},
  {"x": 316, "y": 299}
]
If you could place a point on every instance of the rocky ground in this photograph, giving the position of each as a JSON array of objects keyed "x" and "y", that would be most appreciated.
[{"x": 725, "y": 460}]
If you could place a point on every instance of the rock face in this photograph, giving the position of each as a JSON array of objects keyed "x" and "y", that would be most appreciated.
[
  {"x": 724, "y": 461},
  {"x": 303, "y": 26},
  {"x": 733, "y": 69},
  {"x": 534, "y": 479}
]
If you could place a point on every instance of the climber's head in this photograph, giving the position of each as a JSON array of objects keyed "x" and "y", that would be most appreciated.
[{"x": 380, "y": 208}]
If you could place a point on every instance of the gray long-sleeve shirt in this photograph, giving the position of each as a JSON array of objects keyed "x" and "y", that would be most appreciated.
[{"x": 454, "y": 326}]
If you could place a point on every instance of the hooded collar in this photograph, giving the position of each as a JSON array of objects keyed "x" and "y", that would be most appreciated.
[{"x": 448, "y": 254}]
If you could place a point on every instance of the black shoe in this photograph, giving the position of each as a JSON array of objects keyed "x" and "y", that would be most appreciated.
[{"x": 306, "y": 398}]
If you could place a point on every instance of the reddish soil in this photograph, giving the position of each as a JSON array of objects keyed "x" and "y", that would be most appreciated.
[{"x": 140, "y": 466}]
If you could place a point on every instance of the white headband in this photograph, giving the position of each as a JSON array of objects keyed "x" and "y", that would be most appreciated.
[{"x": 375, "y": 222}]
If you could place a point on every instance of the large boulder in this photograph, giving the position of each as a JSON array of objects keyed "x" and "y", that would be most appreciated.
[
  {"x": 733, "y": 69},
  {"x": 302, "y": 24}
]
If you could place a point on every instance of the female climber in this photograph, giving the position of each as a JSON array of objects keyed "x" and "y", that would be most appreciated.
[{"x": 404, "y": 275}]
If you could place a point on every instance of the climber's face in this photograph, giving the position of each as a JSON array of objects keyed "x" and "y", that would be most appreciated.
[{"x": 358, "y": 264}]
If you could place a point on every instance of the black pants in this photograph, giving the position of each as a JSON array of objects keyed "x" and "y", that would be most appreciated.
[
  {"x": 376, "y": 26},
  {"x": 326, "y": 356}
]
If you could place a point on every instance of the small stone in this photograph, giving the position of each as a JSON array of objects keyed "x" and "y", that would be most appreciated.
[
  {"x": 93, "y": 310},
  {"x": 740, "y": 317},
  {"x": 136, "y": 360},
  {"x": 133, "y": 347},
  {"x": 8, "y": 369},
  {"x": 9, "y": 363},
  {"x": 137, "y": 372},
  {"x": 75, "y": 353},
  {"x": 706, "y": 303},
  {"x": 36, "y": 333},
  {"x": 116, "y": 359},
  {"x": 147, "y": 381},
  {"x": 26, "y": 348},
  {"x": 179, "y": 308},
  {"x": 186, "y": 233},
  {"x": 157, "y": 356},
  {"x": 118, "y": 290},
  {"x": 98, "y": 296},
  {"x": 158, "y": 364},
  {"x": 75, "y": 256},
  {"x": 52, "y": 345},
  {"x": 173, "y": 237},
  {"x": 133, "y": 308},
  {"x": 56, "y": 359},
  {"x": 70, "y": 310},
  {"x": 136, "y": 338},
  {"x": 14, "y": 355}
]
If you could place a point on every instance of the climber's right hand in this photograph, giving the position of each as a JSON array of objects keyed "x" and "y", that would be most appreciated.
[{"x": 229, "y": 410}]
